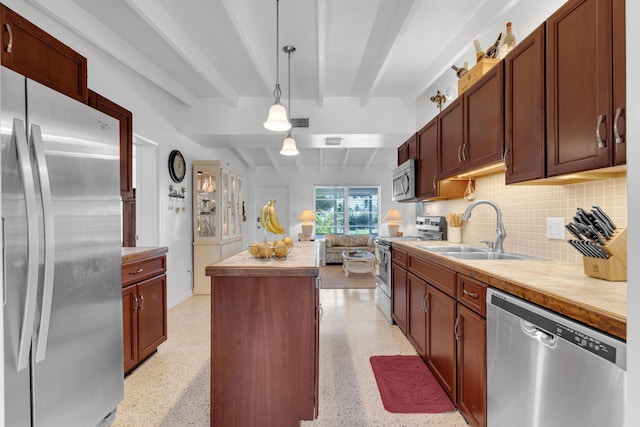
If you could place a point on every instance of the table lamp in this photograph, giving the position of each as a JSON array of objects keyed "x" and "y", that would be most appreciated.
[
  {"x": 391, "y": 217},
  {"x": 307, "y": 216}
]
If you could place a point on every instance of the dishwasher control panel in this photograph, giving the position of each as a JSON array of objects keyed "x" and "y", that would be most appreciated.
[{"x": 551, "y": 326}]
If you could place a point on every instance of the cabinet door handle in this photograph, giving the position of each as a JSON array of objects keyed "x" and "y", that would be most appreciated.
[
  {"x": 133, "y": 273},
  {"x": 459, "y": 156},
  {"x": 464, "y": 152},
  {"x": 456, "y": 329},
  {"x": 471, "y": 294},
  {"x": 434, "y": 182},
  {"x": 10, "y": 44},
  {"x": 141, "y": 301},
  {"x": 504, "y": 159},
  {"x": 135, "y": 305},
  {"x": 616, "y": 133},
  {"x": 602, "y": 119}
]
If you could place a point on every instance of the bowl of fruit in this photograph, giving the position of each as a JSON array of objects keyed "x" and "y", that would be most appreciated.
[{"x": 266, "y": 250}]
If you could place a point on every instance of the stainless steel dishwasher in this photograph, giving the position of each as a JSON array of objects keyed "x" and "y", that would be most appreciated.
[{"x": 546, "y": 370}]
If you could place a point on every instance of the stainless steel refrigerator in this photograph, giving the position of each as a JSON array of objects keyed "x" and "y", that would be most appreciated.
[{"x": 62, "y": 296}]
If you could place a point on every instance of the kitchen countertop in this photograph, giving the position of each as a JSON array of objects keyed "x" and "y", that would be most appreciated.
[
  {"x": 560, "y": 287},
  {"x": 304, "y": 260},
  {"x": 135, "y": 254}
]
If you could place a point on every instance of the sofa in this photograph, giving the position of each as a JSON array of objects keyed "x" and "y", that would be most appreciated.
[{"x": 332, "y": 246}]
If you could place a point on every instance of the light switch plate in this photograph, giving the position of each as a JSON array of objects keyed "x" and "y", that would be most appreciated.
[{"x": 555, "y": 228}]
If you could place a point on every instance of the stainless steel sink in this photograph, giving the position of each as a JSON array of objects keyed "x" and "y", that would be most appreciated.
[
  {"x": 456, "y": 249},
  {"x": 492, "y": 256}
]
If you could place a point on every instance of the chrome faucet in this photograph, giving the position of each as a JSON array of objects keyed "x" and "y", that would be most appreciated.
[{"x": 501, "y": 234}]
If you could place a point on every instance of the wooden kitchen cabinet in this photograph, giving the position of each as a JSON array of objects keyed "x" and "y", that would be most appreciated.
[
  {"x": 32, "y": 52},
  {"x": 429, "y": 187},
  {"x": 441, "y": 342},
  {"x": 472, "y": 127},
  {"x": 524, "y": 81},
  {"x": 580, "y": 114},
  {"x": 417, "y": 317},
  {"x": 144, "y": 307},
  {"x": 619, "y": 84},
  {"x": 471, "y": 337},
  {"x": 399, "y": 296},
  {"x": 408, "y": 150},
  {"x": 451, "y": 139},
  {"x": 484, "y": 120}
]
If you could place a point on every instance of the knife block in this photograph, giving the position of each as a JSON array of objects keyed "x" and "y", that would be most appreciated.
[{"x": 614, "y": 268}]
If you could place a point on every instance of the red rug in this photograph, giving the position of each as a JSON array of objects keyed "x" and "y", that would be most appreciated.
[{"x": 407, "y": 386}]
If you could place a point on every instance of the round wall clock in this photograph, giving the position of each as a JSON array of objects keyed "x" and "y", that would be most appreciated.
[{"x": 177, "y": 166}]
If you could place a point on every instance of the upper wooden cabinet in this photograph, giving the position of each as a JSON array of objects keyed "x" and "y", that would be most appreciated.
[
  {"x": 524, "y": 83},
  {"x": 580, "y": 114},
  {"x": 472, "y": 127},
  {"x": 30, "y": 51},
  {"x": 408, "y": 150},
  {"x": 619, "y": 84},
  {"x": 484, "y": 120}
]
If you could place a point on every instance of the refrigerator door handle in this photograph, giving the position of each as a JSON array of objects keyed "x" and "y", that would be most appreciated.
[
  {"x": 49, "y": 242},
  {"x": 28, "y": 317}
]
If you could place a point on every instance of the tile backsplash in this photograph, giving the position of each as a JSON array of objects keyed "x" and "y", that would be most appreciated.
[{"x": 525, "y": 209}]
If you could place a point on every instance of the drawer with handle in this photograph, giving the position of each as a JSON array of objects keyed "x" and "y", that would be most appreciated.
[
  {"x": 136, "y": 271},
  {"x": 472, "y": 293}
]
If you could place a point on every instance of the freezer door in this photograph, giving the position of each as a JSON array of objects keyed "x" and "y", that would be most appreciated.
[
  {"x": 79, "y": 327},
  {"x": 16, "y": 251}
]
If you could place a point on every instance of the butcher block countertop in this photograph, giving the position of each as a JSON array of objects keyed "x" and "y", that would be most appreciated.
[
  {"x": 560, "y": 287},
  {"x": 136, "y": 254},
  {"x": 304, "y": 260}
]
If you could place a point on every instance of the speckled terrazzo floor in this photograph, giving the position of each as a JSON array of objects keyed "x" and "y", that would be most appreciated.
[{"x": 172, "y": 387}]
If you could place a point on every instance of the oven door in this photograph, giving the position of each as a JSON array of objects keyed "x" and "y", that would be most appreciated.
[{"x": 383, "y": 268}]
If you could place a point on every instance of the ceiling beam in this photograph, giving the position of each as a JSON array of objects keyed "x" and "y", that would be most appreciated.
[
  {"x": 322, "y": 51},
  {"x": 371, "y": 157},
  {"x": 244, "y": 155},
  {"x": 239, "y": 13},
  {"x": 391, "y": 19},
  {"x": 346, "y": 158},
  {"x": 166, "y": 27},
  {"x": 272, "y": 158},
  {"x": 95, "y": 32}
]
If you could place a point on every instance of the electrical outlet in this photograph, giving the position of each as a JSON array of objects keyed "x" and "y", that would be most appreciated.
[{"x": 555, "y": 228}]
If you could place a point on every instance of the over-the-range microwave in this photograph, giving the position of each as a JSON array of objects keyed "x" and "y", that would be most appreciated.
[{"x": 404, "y": 182}]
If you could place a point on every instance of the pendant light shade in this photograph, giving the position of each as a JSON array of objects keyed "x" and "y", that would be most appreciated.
[
  {"x": 289, "y": 144},
  {"x": 289, "y": 147},
  {"x": 277, "y": 120}
]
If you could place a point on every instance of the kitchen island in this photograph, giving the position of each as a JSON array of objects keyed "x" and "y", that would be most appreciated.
[{"x": 265, "y": 338}]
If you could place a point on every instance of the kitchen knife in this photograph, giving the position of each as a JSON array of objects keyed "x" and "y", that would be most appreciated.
[
  {"x": 578, "y": 247},
  {"x": 604, "y": 230},
  {"x": 603, "y": 222},
  {"x": 585, "y": 231},
  {"x": 571, "y": 227},
  {"x": 606, "y": 217},
  {"x": 593, "y": 250}
]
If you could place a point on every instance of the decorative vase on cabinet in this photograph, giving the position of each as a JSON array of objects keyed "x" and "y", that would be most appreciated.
[{"x": 217, "y": 218}]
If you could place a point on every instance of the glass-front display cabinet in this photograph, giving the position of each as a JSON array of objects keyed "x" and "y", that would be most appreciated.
[{"x": 217, "y": 217}]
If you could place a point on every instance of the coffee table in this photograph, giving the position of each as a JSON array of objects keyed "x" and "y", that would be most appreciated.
[{"x": 360, "y": 262}]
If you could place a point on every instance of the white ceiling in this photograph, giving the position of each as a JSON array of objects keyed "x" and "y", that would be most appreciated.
[{"x": 359, "y": 67}]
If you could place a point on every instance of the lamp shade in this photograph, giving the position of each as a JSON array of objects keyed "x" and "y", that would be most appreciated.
[
  {"x": 277, "y": 119},
  {"x": 393, "y": 216},
  {"x": 307, "y": 215},
  {"x": 289, "y": 147}
]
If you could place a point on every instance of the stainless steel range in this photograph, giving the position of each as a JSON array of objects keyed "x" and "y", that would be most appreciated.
[{"x": 428, "y": 228}]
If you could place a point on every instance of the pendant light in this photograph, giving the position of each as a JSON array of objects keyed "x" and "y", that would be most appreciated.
[
  {"x": 289, "y": 144},
  {"x": 277, "y": 119}
]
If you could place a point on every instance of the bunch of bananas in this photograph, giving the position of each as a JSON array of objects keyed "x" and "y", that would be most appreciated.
[{"x": 269, "y": 219}]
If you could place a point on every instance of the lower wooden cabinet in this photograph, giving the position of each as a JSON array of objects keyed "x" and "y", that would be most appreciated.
[
  {"x": 144, "y": 310},
  {"x": 399, "y": 296},
  {"x": 417, "y": 317},
  {"x": 441, "y": 341},
  {"x": 472, "y": 366}
]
